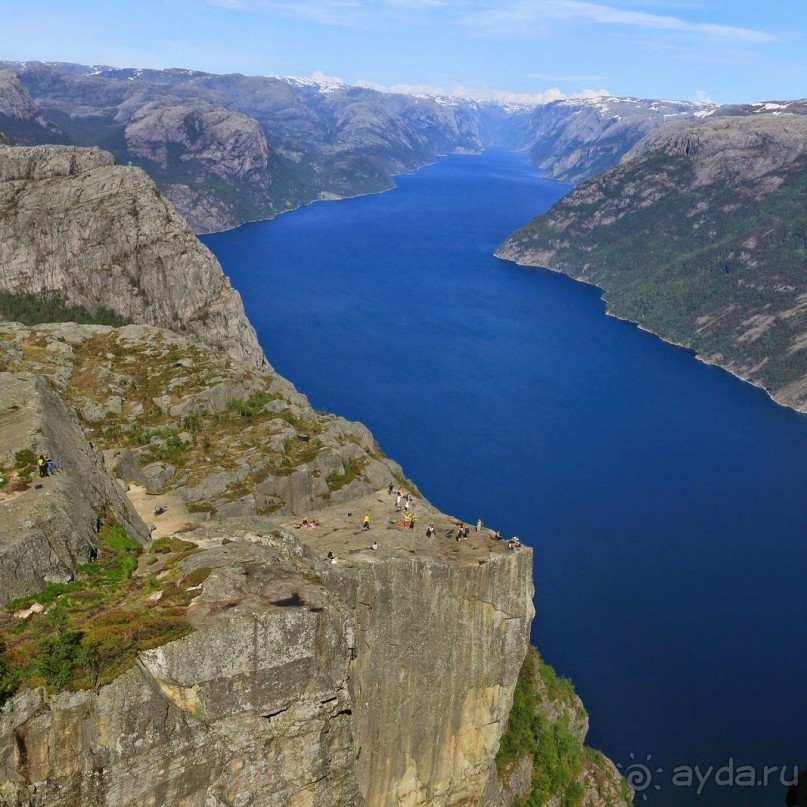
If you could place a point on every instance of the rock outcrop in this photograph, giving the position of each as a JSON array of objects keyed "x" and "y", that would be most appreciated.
[
  {"x": 253, "y": 707},
  {"x": 174, "y": 415},
  {"x": 48, "y": 526},
  {"x": 303, "y": 684},
  {"x": 75, "y": 226}
]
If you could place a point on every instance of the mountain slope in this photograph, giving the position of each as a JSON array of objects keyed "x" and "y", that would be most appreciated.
[
  {"x": 575, "y": 139},
  {"x": 701, "y": 236},
  {"x": 20, "y": 120},
  {"x": 76, "y": 228},
  {"x": 229, "y": 148}
]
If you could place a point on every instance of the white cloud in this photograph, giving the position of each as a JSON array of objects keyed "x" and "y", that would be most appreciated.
[
  {"x": 486, "y": 93},
  {"x": 524, "y": 18},
  {"x": 702, "y": 97}
]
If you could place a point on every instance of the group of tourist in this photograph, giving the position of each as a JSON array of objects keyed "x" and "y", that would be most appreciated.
[
  {"x": 404, "y": 503},
  {"x": 45, "y": 465}
]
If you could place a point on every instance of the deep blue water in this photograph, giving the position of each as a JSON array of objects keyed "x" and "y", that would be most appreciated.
[{"x": 666, "y": 500}]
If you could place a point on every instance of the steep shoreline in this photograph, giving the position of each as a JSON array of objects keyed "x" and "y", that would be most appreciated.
[{"x": 642, "y": 327}]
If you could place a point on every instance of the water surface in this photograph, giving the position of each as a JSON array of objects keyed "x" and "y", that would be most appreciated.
[{"x": 664, "y": 498}]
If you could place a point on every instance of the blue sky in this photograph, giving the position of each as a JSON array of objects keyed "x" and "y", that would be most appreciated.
[{"x": 529, "y": 50}]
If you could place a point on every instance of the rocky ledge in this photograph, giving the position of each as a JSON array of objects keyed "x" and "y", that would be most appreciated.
[{"x": 76, "y": 227}]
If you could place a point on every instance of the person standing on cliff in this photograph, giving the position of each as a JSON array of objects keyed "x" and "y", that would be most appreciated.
[
  {"x": 479, "y": 525},
  {"x": 42, "y": 466},
  {"x": 366, "y": 525}
]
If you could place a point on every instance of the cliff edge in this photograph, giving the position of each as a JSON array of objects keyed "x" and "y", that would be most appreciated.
[{"x": 75, "y": 227}]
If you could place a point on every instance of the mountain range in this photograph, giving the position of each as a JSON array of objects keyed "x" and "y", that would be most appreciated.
[{"x": 226, "y": 149}]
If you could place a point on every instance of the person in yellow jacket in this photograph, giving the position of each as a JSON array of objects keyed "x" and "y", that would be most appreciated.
[{"x": 366, "y": 525}]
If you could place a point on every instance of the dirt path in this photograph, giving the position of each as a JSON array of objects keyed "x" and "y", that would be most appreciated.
[{"x": 174, "y": 518}]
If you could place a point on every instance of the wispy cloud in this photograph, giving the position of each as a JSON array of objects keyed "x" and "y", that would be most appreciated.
[
  {"x": 520, "y": 17},
  {"x": 504, "y": 17}
]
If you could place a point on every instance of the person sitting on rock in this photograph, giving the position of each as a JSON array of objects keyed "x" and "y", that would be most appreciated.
[
  {"x": 50, "y": 464},
  {"x": 430, "y": 530}
]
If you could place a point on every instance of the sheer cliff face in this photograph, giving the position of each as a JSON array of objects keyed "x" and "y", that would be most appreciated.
[
  {"x": 380, "y": 682},
  {"x": 75, "y": 225},
  {"x": 447, "y": 637}
]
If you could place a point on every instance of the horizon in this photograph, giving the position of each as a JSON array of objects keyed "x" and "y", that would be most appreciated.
[{"x": 512, "y": 51}]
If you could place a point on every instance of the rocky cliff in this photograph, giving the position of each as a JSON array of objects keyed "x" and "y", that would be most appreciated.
[
  {"x": 699, "y": 235},
  {"x": 262, "y": 647},
  {"x": 236, "y": 663},
  {"x": 304, "y": 681},
  {"x": 49, "y": 524},
  {"x": 76, "y": 227},
  {"x": 294, "y": 689}
]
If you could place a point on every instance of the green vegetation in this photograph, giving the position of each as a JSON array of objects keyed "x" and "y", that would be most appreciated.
[
  {"x": 251, "y": 406},
  {"x": 32, "y": 309},
  {"x": 352, "y": 470},
  {"x": 558, "y": 757},
  {"x": 698, "y": 262},
  {"x": 406, "y": 483},
  {"x": 94, "y": 626},
  {"x": 25, "y": 461},
  {"x": 556, "y": 753},
  {"x": 558, "y": 688}
]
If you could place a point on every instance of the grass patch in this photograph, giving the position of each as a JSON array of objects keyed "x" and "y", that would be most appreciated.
[
  {"x": 96, "y": 624},
  {"x": 351, "y": 471},
  {"x": 201, "y": 507},
  {"x": 164, "y": 546},
  {"x": 557, "y": 688}
]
